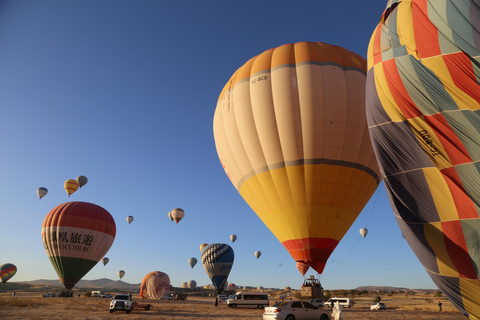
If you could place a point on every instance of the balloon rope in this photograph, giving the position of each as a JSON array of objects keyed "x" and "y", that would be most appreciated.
[{"x": 358, "y": 239}]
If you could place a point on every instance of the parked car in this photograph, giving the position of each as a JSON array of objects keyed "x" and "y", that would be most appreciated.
[
  {"x": 378, "y": 306},
  {"x": 106, "y": 295},
  {"x": 49, "y": 294},
  {"x": 316, "y": 302},
  {"x": 344, "y": 302},
  {"x": 294, "y": 309},
  {"x": 166, "y": 297}
]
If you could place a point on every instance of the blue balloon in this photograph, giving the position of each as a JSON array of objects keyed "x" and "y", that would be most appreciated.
[{"x": 217, "y": 259}]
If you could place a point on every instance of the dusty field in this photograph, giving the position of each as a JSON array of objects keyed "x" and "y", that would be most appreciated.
[{"x": 34, "y": 306}]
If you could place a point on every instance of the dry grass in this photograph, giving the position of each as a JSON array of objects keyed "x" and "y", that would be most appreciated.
[{"x": 33, "y": 306}]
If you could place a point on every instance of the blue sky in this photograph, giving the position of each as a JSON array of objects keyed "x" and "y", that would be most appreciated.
[{"x": 124, "y": 93}]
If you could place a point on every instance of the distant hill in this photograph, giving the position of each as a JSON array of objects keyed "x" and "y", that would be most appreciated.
[
  {"x": 397, "y": 289},
  {"x": 98, "y": 283}
]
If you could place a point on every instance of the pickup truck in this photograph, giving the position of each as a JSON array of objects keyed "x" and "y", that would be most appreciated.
[{"x": 124, "y": 302}]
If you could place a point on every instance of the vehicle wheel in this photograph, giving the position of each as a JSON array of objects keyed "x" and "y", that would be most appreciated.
[
  {"x": 324, "y": 317},
  {"x": 147, "y": 308},
  {"x": 290, "y": 317},
  {"x": 233, "y": 305},
  {"x": 111, "y": 311},
  {"x": 128, "y": 311}
]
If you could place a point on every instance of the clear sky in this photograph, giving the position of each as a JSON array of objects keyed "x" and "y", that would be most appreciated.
[{"x": 124, "y": 93}]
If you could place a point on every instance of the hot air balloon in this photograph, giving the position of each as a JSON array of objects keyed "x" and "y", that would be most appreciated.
[
  {"x": 203, "y": 245},
  {"x": 192, "y": 284},
  {"x": 233, "y": 237},
  {"x": 76, "y": 235},
  {"x": 105, "y": 261},
  {"x": 71, "y": 186},
  {"x": 364, "y": 232},
  {"x": 129, "y": 219},
  {"x": 217, "y": 259},
  {"x": 287, "y": 289},
  {"x": 423, "y": 101},
  {"x": 177, "y": 214},
  {"x": 154, "y": 285},
  {"x": 42, "y": 192},
  {"x": 291, "y": 133},
  {"x": 7, "y": 271},
  {"x": 82, "y": 180},
  {"x": 192, "y": 262},
  {"x": 184, "y": 285},
  {"x": 257, "y": 254},
  {"x": 231, "y": 286},
  {"x": 121, "y": 273},
  {"x": 170, "y": 216}
]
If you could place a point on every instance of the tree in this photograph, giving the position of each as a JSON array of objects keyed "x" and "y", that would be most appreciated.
[{"x": 377, "y": 299}]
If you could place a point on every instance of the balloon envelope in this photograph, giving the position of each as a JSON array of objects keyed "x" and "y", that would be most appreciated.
[
  {"x": 71, "y": 186},
  {"x": 76, "y": 235},
  {"x": 192, "y": 262},
  {"x": 121, "y": 273},
  {"x": 82, "y": 180},
  {"x": 105, "y": 261},
  {"x": 291, "y": 133},
  {"x": 42, "y": 192},
  {"x": 364, "y": 232},
  {"x": 217, "y": 259},
  {"x": 154, "y": 285},
  {"x": 129, "y": 219},
  {"x": 177, "y": 214},
  {"x": 192, "y": 284},
  {"x": 184, "y": 285},
  {"x": 233, "y": 237},
  {"x": 7, "y": 271},
  {"x": 423, "y": 101},
  {"x": 203, "y": 245},
  {"x": 257, "y": 254}
]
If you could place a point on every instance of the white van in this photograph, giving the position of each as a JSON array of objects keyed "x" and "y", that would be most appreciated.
[
  {"x": 344, "y": 302},
  {"x": 96, "y": 294},
  {"x": 248, "y": 298}
]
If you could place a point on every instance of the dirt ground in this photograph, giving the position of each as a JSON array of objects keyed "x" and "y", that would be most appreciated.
[{"x": 33, "y": 306}]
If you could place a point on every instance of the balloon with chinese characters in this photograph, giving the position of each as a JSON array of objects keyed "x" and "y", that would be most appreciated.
[{"x": 76, "y": 235}]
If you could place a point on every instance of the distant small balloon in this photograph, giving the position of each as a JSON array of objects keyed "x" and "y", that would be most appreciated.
[
  {"x": 82, "y": 180},
  {"x": 192, "y": 284},
  {"x": 177, "y": 214},
  {"x": 129, "y": 219},
  {"x": 192, "y": 262},
  {"x": 121, "y": 273},
  {"x": 203, "y": 245},
  {"x": 105, "y": 261},
  {"x": 364, "y": 232},
  {"x": 42, "y": 192},
  {"x": 258, "y": 254},
  {"x": 71, "y": 186},
  {"x": 233, "y": 237},
  {"x": 7, "y": 271}
]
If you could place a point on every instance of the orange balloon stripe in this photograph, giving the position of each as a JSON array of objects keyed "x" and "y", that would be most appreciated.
[
  {"x": 461, "y": 70},
  {"x": 451, "y": 143},
  {"x": 399, "y": 92},
  {"x": 312, "y": 251},
  {"x": 425, "y": 33},
  {"x": 465, "y": 207},
  {"x": 457, "y": 248}
]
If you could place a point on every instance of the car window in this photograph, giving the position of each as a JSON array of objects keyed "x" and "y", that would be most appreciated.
[
  {"x": 297, "y": 304},
  {"x": 309, "y": 305},
  {"x": 281, "y": 304}
]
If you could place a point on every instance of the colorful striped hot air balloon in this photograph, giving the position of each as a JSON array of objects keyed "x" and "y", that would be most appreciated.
[
  {"x": 177, "y": 214},
  {"x": 423, "y": 106},
  {"x": 71, "y": 186},
  {"x": 7, "y": 271},
  {"x": 76, "y": 235},
  {"x": 154, "y": 285},
  {"x": 291, "y": 133}
]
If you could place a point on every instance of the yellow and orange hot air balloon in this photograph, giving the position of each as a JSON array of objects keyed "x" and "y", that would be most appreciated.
[
  {"x": 71, "y": 185},
  {"x": 291, "y": 133}
]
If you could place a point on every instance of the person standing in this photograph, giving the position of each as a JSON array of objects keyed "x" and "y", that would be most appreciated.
[
  {"x": 216, "y": 301},
  {"x": 439, "y": 306}
]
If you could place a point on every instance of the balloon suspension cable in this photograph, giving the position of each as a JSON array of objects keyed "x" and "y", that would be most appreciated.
[{"x": 356, "y": 242}]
